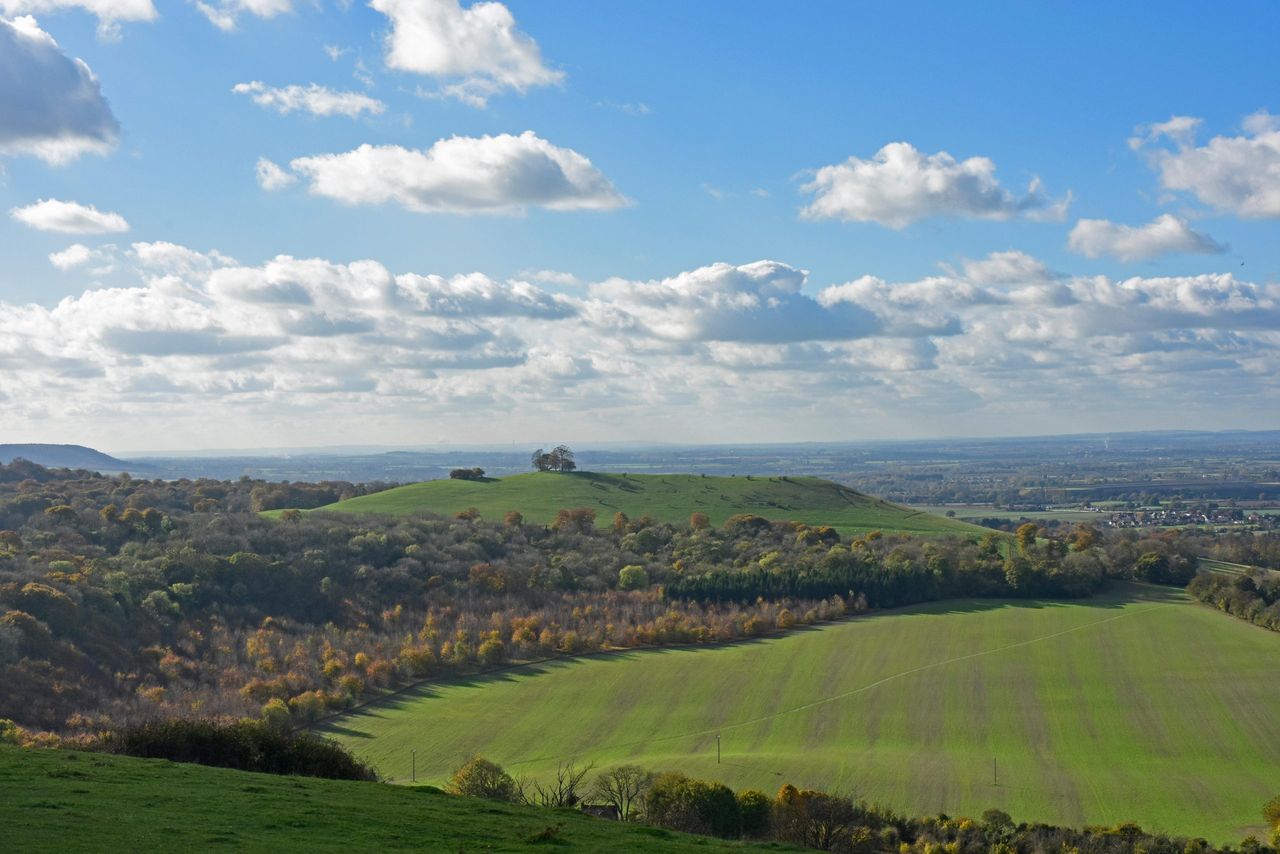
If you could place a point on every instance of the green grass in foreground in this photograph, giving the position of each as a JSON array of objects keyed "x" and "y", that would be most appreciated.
[
  {"x": 666, "y": 497},
  {"x": 63, "y": 801},
  {"x": 1136, "y": 705}
]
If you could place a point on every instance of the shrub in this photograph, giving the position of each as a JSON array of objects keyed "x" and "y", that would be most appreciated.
[
  {"x": 1271, "y": 812},
  {"x": 694, "y": 806},
  {"x": 480, "y": 778},
  {"x": 246, "y": 745}
]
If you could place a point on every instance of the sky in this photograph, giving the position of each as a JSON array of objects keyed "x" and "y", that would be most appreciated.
[{"x": 258, "y": 223}]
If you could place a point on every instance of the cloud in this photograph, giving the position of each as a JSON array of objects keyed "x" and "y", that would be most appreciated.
[
  {"x": 225, "y": 14},
  {"x": 760, "y": 302},
  {"x": 552, "y": 277},
  {"x": 1235, "y": 174},
  {"x": 51, "y": 105},
  {"x": 79, "y": 255},
  {"x": 271, "y": 176},
  {"x": 1164, "y": 235},
  {"x": 502, "y": 174},
  {"x": 315, "y": 99},
  {"x": 901, "y": 185},
  {"x": 475, "y": 52},
  {"x": 69, "y": 218},
  {"x": 110, "y": 13},
  {"x": 755, "y": 350}
]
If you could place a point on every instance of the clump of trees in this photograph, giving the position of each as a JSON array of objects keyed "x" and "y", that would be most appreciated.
[
  {"x": 559, "y": 458},
  {"x": 1253, "y": 595},
  {"x": 476, "y": 473},
  {"x": 823, "y": 821}
]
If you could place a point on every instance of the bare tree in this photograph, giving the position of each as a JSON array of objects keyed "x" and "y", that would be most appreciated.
[
  {"x": 565, "y": 790},
  {"x": 624, "y": 787}
]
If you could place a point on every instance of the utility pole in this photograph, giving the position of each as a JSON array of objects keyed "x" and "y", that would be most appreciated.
[
  {"x": 717, "y": 748},
  {"x": 414, "y": 777}
]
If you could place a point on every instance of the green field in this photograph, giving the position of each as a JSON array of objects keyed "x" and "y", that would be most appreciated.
[
  {"x": 666, "y": 497},
  {"x": 1136, "y": 705},
  {"x": 63, "y": 801}
]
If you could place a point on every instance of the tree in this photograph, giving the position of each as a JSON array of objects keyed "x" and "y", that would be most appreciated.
[
  {"x": 1026, "y": 536},
  {"x": 559, "y": 458},
  {"x": 476, "y": 473},
  {"x": 624, "y": 787},
  {"x": 633, "y": 578},
  {"x": 699, "y": 521},
  {"x": 480, "y": 778},
  {"x": 513, "y": 519},
  {"x": 562, "y": 791}
]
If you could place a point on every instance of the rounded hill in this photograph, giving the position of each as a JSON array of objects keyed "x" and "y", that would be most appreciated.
[{"x": 539, "y": 496}]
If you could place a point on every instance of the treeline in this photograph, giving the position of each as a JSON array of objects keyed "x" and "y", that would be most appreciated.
[
  {"x": 124, "y": 599},
  {"x": 1253, "y": 595},
  {"x": 814, "y": 819}
]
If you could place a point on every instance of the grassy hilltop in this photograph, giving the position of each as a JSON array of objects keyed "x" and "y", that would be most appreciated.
[
  {"x": 60, "y": 801},
  {"x": 1137, "y": 705},
  {"x": 666, "y": 497}
]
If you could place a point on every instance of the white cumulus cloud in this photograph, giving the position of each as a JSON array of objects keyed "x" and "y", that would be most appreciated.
[
  {"x": 51, "y": 105},
  {"x": 1164, "y": 235},
  {"x": 474, "y": 52},
  {"x": 200, "y": 341},
  {"x": 78, "y": 255},
  {"x": 69, "y": 218},
  {"x": 314, "y": 98},
  {"x": 271, "y": 176},
  {"x": 489, "y": 174},
  {"x": 225, "y": 14},
  {"x": 110, "y": 13},
  {"x": 900, "y": 185},
  {"x": 1237, "y": 174}
]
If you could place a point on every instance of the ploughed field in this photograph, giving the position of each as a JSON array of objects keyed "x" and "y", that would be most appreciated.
[
  {"x": 1138, "y": 704},
  {"x": 666, "y": 497}
]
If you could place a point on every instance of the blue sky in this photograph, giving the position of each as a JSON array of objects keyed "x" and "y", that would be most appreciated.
[{"x": 715, "y": 133}]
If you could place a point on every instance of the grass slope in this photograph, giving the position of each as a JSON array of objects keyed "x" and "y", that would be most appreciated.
[
  {"x": 1138, "y": 705},
  {"x": 60, "y": 801},
  {"x": 667, "y": 497}
]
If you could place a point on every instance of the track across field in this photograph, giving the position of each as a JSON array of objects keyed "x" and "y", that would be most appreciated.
[{"x": 1137, "y": 705}]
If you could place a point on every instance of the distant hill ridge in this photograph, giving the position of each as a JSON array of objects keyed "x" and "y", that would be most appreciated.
[
  {"x": 67, "y": 456},
  {"x": 665, "y": 497}
]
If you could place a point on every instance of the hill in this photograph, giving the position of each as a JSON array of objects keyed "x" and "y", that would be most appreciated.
[
  {"x": 58, "y": 801},
  {"x": 1138, "y": 705},
  {"x": 666, "y": 497},
  {"x": 67, "y": 456}
]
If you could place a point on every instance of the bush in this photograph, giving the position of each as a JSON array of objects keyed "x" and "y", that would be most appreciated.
[
  {"x": 244, "y": 745},
  {"x": 694, "y": 806},
  {"x": 753, "y": 806},
  {"x": 480, "y": 778},
  {"x": 1271, "y": 812}
]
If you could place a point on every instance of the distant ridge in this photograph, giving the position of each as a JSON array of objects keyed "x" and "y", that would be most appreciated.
[{"x": 67, "y": 456}]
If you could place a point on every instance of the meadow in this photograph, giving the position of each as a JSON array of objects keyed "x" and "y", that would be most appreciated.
[
  {"x": 1139, "y": 705},
  {"x": 665, "y": 497},
  {"x": 61, "y": 800}
]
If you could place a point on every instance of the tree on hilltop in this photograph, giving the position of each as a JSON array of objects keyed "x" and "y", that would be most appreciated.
[{"x": 559, "y": 458}]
